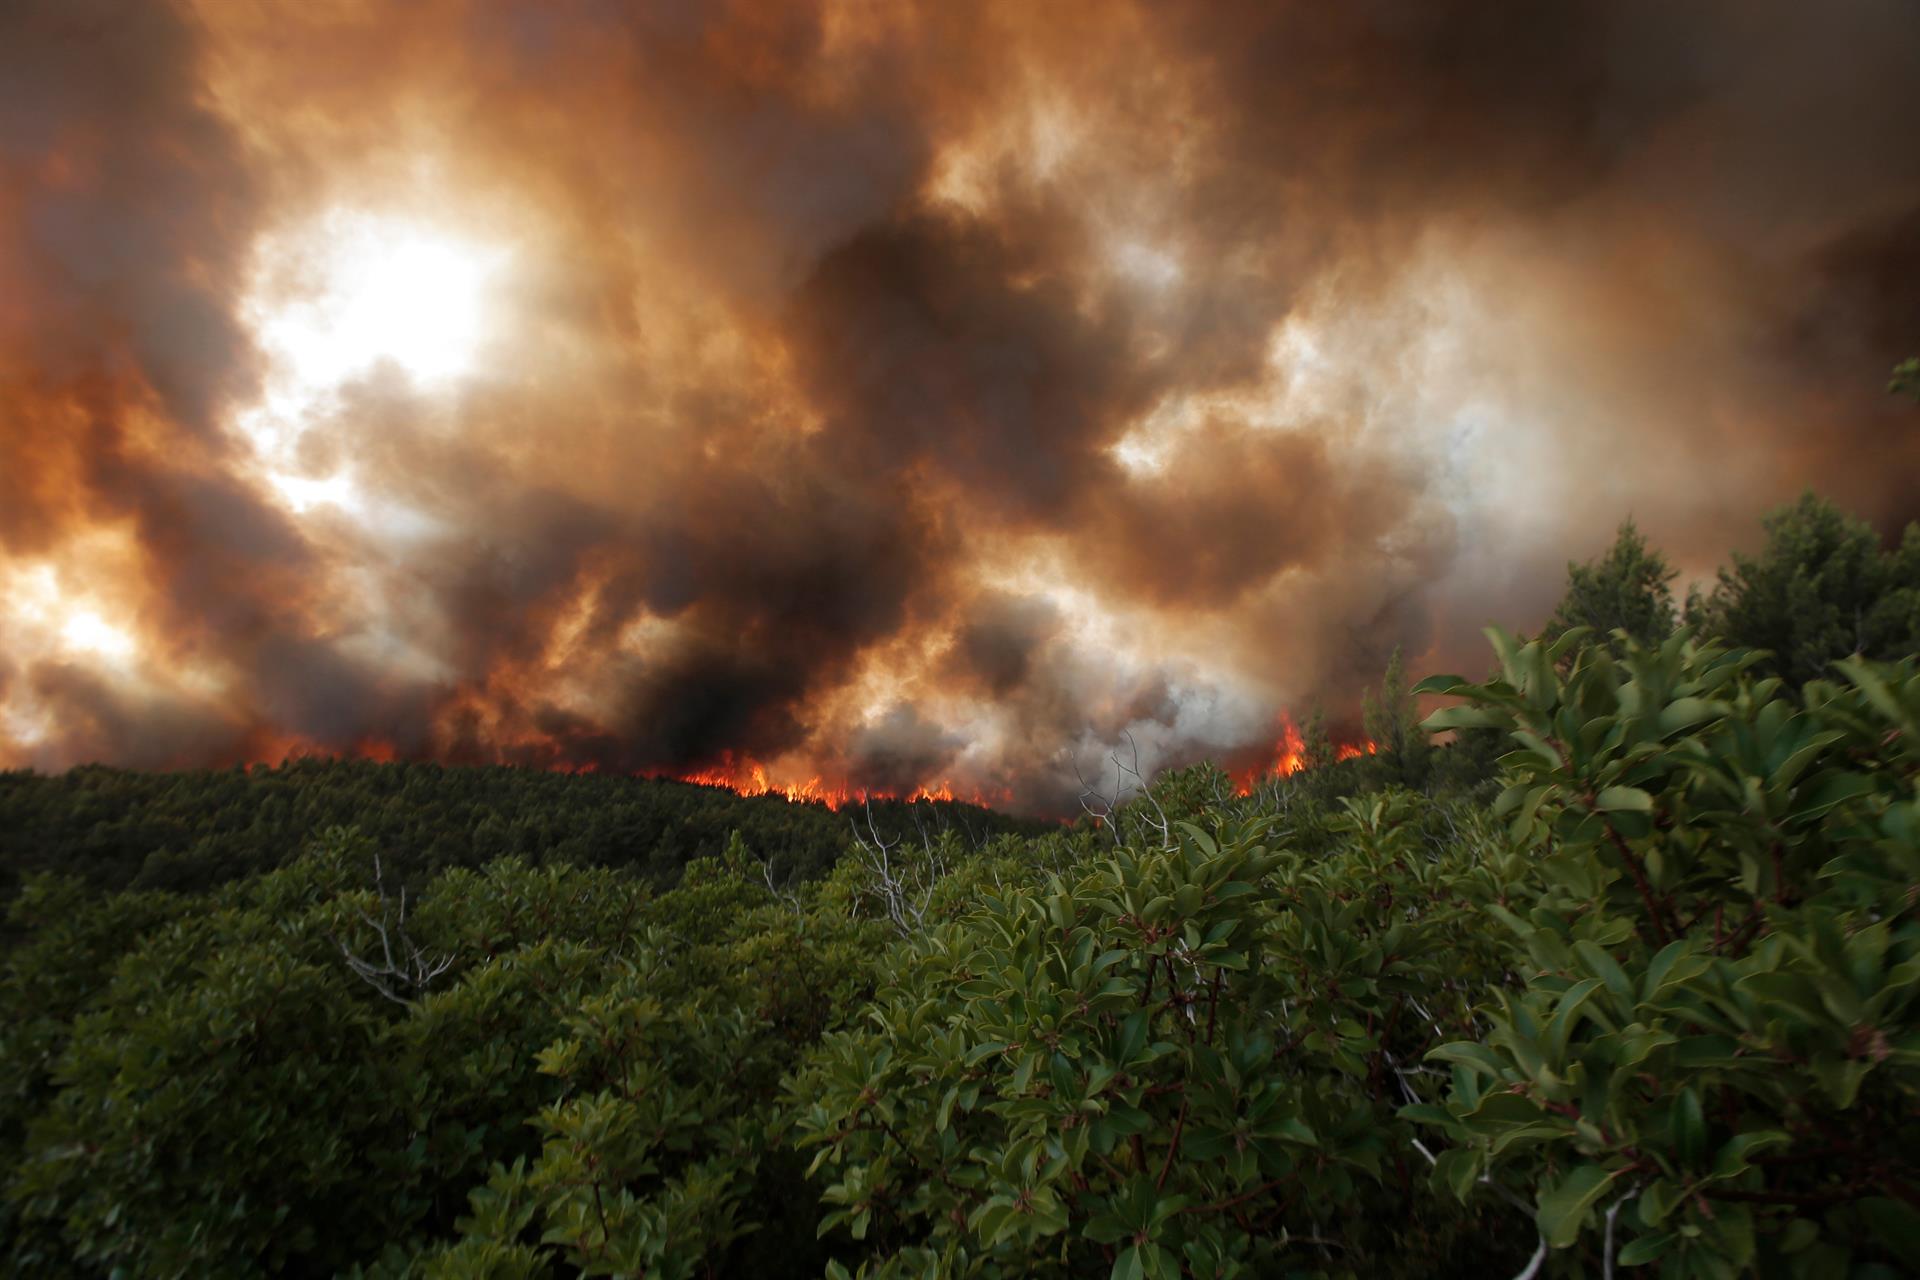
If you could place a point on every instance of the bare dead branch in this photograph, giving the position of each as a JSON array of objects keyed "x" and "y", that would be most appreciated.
[
  {"x": 402, "y": 979},
  {"x": 905, "y": 889},
  {"x": 786, "y": 897}
]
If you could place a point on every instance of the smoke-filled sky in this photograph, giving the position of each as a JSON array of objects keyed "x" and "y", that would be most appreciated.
[{"x": 900, "y": 394}]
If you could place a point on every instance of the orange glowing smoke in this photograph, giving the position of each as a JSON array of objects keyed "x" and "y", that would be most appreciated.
[{"x": 779, "y": 395}]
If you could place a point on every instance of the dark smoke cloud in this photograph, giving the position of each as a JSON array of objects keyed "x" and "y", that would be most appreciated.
[
  {"x": 937, "y": 344},
  {"x": 900, "y": 751},
  {"x": 1000, "y": 640},
  {"x": 131, "y": 208},
  {"x": 904, "y": 395}
]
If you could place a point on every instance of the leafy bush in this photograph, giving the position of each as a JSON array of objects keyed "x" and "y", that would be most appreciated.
[
  {"x": 1716, "y": 1044},
  {"x": 234, "y": 1098},
  {"x": 1169, "y": 1061}
]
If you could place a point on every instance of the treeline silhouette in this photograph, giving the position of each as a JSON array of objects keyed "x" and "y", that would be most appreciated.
[{"x": 192, "y": 830}]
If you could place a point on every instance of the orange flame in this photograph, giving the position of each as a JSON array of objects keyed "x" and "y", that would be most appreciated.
[
  {"x": 1290, "y": 756},
  {"x": 745, "y": 776},
  {"x": 749, "y": 777}
]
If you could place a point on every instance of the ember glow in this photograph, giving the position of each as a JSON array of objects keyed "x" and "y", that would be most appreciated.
[
  {"x": 751, "y": 779},
  {"x": 834, "y": 399},
  {"x": 1289, "y": 756}
]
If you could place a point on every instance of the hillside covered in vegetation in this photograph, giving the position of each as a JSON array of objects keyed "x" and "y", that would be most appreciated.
[
  {"x": 1613, "y": 961},
  {"x": 192, "y": 830}
]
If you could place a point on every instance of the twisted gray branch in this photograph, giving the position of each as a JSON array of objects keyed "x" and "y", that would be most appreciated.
[{"x": 403, "y": 979}]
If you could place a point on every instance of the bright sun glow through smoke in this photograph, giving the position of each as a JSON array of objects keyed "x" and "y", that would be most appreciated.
[
  {"x": 333, "y": 300},
  {"x": 367, "y": 289},
  {"x": 344, "y": 295}
]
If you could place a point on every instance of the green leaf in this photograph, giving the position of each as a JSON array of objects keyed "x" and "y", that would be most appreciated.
[
  {"x": 1428, "y": 1114},
  {"x": 1459, "y": 1168},
  {"x": 1733, "y": 1157},
  {"x": 980, "y": 1052},
  {"x": 1471, "y": 1054},
  {"x": 1565, "y": 1206},
  {"x": 1567, "y": 1016},
  {"x": 1623, "y": 800},
  {"x": 1601, "y": 963},
  {"x": 1461, "y": 718},
  {"x": 1144, "y": 1262},
  {"x": 1656, "y": 1201},
  {"x": 1675, "y": 963},
  {"x": 1830, "y": 790},
  {"x": 1133, "y": 1038},
  {"x": 1644, "y": 1249},
  {"x": 1689, "y": 1128},
  {"x": 1684, "y": 713}
]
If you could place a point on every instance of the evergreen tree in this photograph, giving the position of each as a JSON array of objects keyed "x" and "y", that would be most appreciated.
[
  {"x": 1629, "y": 589},
  {"x": 1402, "y": 750},
  {"x": 1821, "y": 589},
  {"x": 1316, "y": 742}
]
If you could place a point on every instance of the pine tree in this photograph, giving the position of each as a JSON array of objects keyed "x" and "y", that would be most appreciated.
[
  {"x": 1628, "y": 589},
  {"x": 1821, "y": 589},
  {"x": 1316, "y": 743},
  {"x": 1402, "y": 750}
]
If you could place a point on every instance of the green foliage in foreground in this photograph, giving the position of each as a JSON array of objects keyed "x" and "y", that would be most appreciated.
[
  {"x": 1719, "y": 1039},
  {"x": 1163, "y": 1062},
  {"x": 1655, "y": 1008}
]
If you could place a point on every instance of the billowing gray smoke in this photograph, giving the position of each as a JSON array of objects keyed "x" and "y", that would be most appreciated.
[{"x": 915, "y": 395}]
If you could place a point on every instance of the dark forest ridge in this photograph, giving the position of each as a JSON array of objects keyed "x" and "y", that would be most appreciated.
[{"x": 193, "y": 829}]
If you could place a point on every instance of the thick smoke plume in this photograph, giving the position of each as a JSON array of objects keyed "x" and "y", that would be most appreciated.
[{"x": 908, "y": 396}]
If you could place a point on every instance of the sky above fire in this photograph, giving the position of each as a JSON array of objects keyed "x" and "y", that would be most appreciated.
[{"x": 907, "y": 396}]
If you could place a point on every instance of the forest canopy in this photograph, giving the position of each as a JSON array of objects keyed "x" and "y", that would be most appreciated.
[{"x": 191, "y": 830}]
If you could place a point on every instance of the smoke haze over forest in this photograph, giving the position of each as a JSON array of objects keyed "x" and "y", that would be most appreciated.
[{"x": 900, "y": 395}]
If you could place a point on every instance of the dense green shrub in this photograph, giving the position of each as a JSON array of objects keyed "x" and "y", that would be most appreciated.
[
  {"x": 1717, "y": 1042},
  {"x": 1166, "y": 1061},
  {"x": 663, "y": 1153},
  {"x": 233, "y": 1098}
]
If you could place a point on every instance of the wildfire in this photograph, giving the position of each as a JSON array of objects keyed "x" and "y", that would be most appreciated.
[
  {"x": 1290, "y": 756},
  {"x": 1290, "y": 753},
  {"x": 750, "y": 778}
]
